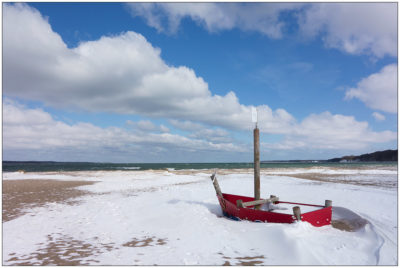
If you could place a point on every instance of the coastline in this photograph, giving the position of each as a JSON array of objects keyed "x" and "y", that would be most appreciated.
[
  {"x": 31, "y": 166},
  {"x": 127, "y": 217}
]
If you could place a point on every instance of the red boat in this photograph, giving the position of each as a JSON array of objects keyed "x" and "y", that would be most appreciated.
[
  {"x": 319, "y": 217},
  {"x": 248, "y": 208}
]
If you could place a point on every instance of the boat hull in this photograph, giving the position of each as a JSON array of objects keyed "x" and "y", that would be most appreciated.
[{"x": 319, "y": 217}]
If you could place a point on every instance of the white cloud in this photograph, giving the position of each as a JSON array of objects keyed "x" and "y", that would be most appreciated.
[
  {"x": 186, "y": 125},
  {"x": 34, "y": 130},
  {"x": 202, "y": 132},
  {"x": 379, "y": 90},
  {"x": 378, "y": 116},
  {"x": 334, "y": 132},
  {"x": 147, "y": 126},
  {"x": 214, "y": 135},
  {"x": 118, "y": 74},
  {"x": 260, "y": 17},
  {"x": 356, "y": 28}
]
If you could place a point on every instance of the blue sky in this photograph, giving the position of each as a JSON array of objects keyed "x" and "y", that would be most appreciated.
[{"x": 162, "y": 82}]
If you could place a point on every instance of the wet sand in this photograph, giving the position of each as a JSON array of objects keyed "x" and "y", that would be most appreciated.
[{"x": 20, "y": 195}]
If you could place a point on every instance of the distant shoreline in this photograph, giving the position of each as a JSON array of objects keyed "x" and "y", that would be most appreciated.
[
  {"x": 45, "y": 166},
  {"x": 378, "y": 156}
]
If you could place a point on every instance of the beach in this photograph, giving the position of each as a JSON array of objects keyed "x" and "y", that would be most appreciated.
[
  {"x": 20, "y": 195},
  {"x": 172, "y": 217}
]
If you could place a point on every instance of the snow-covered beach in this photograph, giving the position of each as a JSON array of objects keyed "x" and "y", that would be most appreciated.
[{"x": 169, "y": 217}]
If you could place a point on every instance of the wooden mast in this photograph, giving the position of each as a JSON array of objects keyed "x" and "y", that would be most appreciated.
[{"x": 256, "y": 133}]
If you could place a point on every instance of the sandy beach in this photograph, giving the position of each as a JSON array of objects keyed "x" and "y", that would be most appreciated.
[
  {"x": 173, "y": 218},
  {"x": 20, "y": 195}
]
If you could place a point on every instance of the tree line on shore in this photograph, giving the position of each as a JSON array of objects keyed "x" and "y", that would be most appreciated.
[{"x": 379, "y": 156}]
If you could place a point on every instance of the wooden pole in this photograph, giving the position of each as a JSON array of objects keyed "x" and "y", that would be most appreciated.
[
  {"x": 297, "y": 213},
  {"x": 216, "y": 185},
  {"x": 328, "y": 203},
  {"x": 257, "y": 165}
]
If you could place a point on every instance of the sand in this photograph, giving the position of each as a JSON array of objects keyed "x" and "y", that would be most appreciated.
[
  {"x": 84, "y": 232},
  {"x": 20, "y": 195}
]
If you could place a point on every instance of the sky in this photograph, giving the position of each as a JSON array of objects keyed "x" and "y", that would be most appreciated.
[{"x": 176, "y": 82}]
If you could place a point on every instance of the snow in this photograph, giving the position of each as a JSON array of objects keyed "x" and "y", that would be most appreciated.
[
  {"x": 172, "y": 219},
  {"x": 334, "y": 170},
  {"x": 287, "y": 208}
]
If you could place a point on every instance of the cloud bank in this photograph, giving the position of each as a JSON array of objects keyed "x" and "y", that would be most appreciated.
[
  {"x": 328, "y": 131},
  {"x": 119, "y": 74},
  {"x": 263, "y": 18},
  {"x": 35, "y": 131},
  {"x": 355, "y": 28}
]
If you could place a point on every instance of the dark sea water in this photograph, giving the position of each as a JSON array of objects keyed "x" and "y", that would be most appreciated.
[{"x": 10, "y": 166}]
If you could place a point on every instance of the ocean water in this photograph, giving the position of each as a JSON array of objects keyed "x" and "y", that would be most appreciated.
[{"x": 33, "y": 166}]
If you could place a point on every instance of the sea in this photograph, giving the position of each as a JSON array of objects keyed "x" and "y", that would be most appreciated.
[{"x": 45, "y": 166}]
